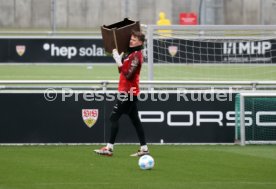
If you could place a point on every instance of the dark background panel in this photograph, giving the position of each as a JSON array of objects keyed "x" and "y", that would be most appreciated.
[
  {"x": 29, "y": 118},
  {"x": 155, "y": 131},
  {"x": 54, "y": 51},
  {"x": 5, "y": 50},
  {"x": 206, "y": 132},
  {"x": 90, "y": 50},
  {"x": 212, "y": 51}
]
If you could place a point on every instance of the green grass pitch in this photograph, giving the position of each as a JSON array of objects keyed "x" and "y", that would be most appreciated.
[
  {"x": 176, "y": 167},
  {"x": 191, "y": 167},
  {"x": 177, "y": 72}
]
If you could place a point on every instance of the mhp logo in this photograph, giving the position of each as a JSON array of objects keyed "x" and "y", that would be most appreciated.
[{"x": 247, "y": 48}]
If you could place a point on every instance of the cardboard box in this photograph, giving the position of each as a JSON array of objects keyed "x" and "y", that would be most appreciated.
[{"x": 117, "y": 35}]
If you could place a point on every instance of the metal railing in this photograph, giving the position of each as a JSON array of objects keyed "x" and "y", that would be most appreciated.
[{"x": 145, "y": 85}]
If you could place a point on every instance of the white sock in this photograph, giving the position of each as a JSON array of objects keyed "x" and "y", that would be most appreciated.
[
  {"x": 144, "y": 148},
  {"x": 110, "y": 146}
]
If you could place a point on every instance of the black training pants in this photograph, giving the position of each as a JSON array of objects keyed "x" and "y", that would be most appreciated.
[{"x": 126, "y": 105}]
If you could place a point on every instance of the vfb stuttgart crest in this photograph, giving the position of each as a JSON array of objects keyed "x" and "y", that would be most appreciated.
[
  {"x": 172, "y": 50},
  {"x": 90, "y": 116},
  {"x": 20, "y": 49}
]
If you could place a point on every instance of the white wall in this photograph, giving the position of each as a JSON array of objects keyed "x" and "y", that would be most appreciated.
[{"x": 94, "y": 13}]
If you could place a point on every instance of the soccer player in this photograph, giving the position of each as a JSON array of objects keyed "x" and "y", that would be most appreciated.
[{"x": 129, "y": 69}]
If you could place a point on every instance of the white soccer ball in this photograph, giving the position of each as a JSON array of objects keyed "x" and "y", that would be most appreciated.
[{"x": 146, "y": 162}]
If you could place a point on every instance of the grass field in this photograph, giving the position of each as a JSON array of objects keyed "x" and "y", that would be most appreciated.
[
  {"x": 191, "y": 167},
  {"x": 58, "y": 72},
  {"x": 177, "y": 167},
  {"x": 161, "y": 72}
]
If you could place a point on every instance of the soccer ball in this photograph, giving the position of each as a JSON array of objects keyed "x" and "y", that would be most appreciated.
[{"x": 146, "y": 162}]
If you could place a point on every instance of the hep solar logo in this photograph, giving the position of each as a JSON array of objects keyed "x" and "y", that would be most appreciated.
[
  {"x": 63, "y": 51},
  {"x": 90, "y": 116},
  {"x": 70, "y": 52}
]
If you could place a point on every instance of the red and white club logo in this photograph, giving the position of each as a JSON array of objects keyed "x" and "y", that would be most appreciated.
[
  {"x": 90, "y": 116},
  {"x": 172, "y": 50},
  {"x": 20, "y": 49}
]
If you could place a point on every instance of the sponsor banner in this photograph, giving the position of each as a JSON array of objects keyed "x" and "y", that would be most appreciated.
[
  {"x": 30, "y": 118},
  {"x": 214, "y": 51},
  {"x": 49, "y": 50},
  {"x": 189, "y": 118},
  {"x": 90, "y": 50},
  {"x": 171, "y": 118}
]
